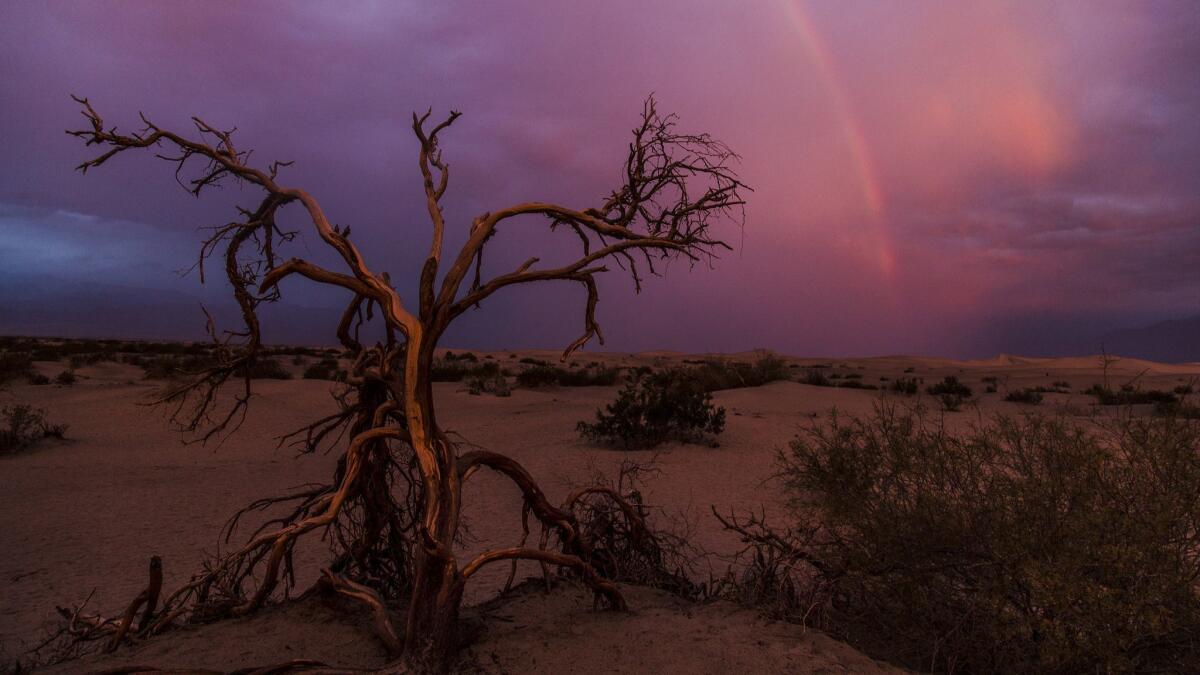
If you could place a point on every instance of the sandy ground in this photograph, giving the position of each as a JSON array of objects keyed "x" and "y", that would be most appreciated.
[{"x": 82, "y": 516}]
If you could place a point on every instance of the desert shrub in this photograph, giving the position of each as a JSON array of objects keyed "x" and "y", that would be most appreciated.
[
  {"x": 22, "y": 427},
  {"x": 77, "y": 361},
  {"x": 38, "y": 379},
  {"x": 853, "y": 376},
  {"x": 448, "y": 371},
  {"x": 655, "y": 407},
  {"x": 463, "y": 356},
  {"x": 906, "y": 386},
  {"x": 1062, "y": 384},
  {"x": 816, "y": 378},
  {"x": 1026, "y": 396},
  {"x": 15, "y": 366},
  {"x": 265, "y": 368},
  {"x": 528, "y": 360},
  {"x": 991, "y": 379},
  {"x": 543, "y": 376},
  {"x": 325, "y": 369},
  {"x": 910, "y": 369},
  {"x": 496, "y": 385},
  {"x": 169, "y": 367},
  {"x": 66, "y": 378},
  {"x": 459, "y": 370},
  {"x": 950, "y": 392},
  {"x": 717, "y": 374},
  {"x": 1028, "y": 544},
  {"x": 1128, "y": 395}
]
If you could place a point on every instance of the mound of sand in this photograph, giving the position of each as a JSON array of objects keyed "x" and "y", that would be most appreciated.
[{"x": 530, "y": 630}]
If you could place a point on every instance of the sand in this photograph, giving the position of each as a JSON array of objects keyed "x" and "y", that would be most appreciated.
[{"x": 82, "y": 516}]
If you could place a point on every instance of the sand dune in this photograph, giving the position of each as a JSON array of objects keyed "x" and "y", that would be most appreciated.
[{"x": 83, "y": 516}]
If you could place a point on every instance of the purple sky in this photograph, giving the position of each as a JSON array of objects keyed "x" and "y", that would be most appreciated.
[{"x": 930, "y": 177}]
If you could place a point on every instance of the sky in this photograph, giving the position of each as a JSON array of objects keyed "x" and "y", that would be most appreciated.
[{"x": 952, "y": 179}]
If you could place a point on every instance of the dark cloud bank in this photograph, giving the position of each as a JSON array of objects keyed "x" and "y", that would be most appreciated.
[{"x": 1026, "y": 172}]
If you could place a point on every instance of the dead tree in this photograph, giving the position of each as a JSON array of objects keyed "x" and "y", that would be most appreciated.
[{"x": 395, "y": 500}]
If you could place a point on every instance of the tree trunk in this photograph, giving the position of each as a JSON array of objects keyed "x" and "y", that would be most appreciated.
[{"x": 429, "y": 639}]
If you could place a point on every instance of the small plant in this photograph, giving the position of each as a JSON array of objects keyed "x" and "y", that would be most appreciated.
[
  {"x": 463, "y": 356},
  {"x": 656, "y": 407},
  {"x": 266, "y": 368},
  {"x": 22, "y": 427},
  {"x": 905, "y": 386},
  {"x": 1129, "y": 395},
  {"x": 325, "y": 369},
  {"x": 950, "y": 392},
  {"x": 14, "y": 366},
  {"x": 717, "y": 374},
  {"x": 77, "y": 361},
  {"x": 1026, "y": 396},
  {"x": 38, "y": 379},
  {"x": 544, "y": 376},
  {"x": 816, "y": 378},
  {"x": 528, "y": 360},
  {"x": 65, "y": 378},
  {"x": 496, "y": 385}
]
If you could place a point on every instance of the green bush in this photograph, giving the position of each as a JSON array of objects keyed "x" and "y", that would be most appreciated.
[
  {"x": 1027, "y": 545},
  {"x": 22, "y": 427},
  {"x": 656, "y": 407}
]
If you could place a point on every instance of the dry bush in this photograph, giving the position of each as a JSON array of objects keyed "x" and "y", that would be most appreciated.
[
  {"x": 1028, "y": 544},
  {"x": 496, "y": 385},
  {"x": 23, "y": 426},
  {"x": 655, "y": 407},
  {"x": 950, "y": 392},
  {"x": 717, "y": 374},
  {"x": 548, "y": 376},
  {"x": 1026, "y": 396},
  {"x": 325, "y": 369},
  {"x": 15, "y": 366}
]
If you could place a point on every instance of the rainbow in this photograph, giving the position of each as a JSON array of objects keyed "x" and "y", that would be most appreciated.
[{"x": 818, "y": 53}]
